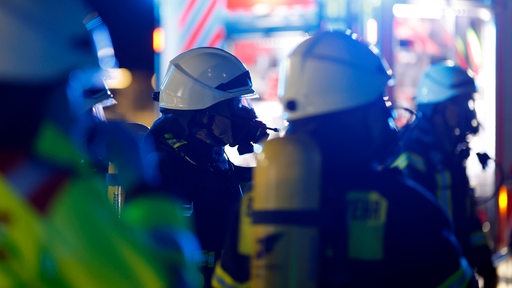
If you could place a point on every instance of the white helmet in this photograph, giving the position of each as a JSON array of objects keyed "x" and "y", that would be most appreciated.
[
  {"x": 43, "y": 41},
  {"x": 331, "y": 71},
  {"x": 443, "y": 81},
  {"x": 200, "y": 77}
]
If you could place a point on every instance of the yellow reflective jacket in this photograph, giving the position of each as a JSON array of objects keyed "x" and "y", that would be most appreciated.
[{"x": 60, "y": 230}]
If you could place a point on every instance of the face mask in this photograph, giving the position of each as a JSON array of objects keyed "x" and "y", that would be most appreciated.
[
  {"x": 465, "y": 122},
  {"x": 245, "y": 132},
  {"x": 245, "y": 128}
]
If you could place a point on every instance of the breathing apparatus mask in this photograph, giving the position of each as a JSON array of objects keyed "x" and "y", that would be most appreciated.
[
  {"x": 246, "y": 130},
  {"x": 467, "y": 121},
  {"x": 466, "y": 125}
]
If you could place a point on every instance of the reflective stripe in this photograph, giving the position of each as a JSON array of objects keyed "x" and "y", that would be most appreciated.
[
  {"x": 188, "y": 209},
  {"x": 418, "y": 162},
  {"x": 175, "y": 143},
  {"x": 461, "y": 278},
  {"x": 444, "y": 192},
  {"x": 400, "y": 162},
  {"x": 245, "y": 237},
  {"x": 221, "y": 279},
  {"x": 115, "y": 191},
  {"x": 208, "y": 258},
  {"x": 408, "y": 158}
]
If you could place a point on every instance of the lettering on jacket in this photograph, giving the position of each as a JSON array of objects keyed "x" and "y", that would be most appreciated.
[{"x": 366, "y": 216}]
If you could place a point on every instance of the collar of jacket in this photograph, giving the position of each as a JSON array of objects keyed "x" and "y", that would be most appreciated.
[
  {"x": 200, "y": 153},
  {"x": 192, "y": 149}
]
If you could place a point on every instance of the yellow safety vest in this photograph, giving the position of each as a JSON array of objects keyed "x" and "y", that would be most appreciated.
[{"x": 78, "y": 241}]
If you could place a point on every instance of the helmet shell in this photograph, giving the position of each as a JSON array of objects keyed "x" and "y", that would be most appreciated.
[
  {"x": 200, "y": 77},
  {"x": 331, "y": 71},
  {"x": 443, "y": 81},
  {"x": 43, "y": 40}
]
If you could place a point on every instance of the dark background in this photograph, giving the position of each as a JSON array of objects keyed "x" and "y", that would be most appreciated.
[{"x": 131, "y": 25}]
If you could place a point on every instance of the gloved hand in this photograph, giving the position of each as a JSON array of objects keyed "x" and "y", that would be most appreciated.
[{"x": 248, "y": 132}]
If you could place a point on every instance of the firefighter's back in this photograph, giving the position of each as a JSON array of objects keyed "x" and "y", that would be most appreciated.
[{"x": 387, "y": 231}]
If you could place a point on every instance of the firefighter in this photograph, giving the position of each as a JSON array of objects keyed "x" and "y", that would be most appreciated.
[
  {"x": 205, "y": 107},
  {"x": 435, "y": 151},
  {"x": 374, "y": 228},
  {"x": 57, "y": 227},
  {"x": 115, "y": 148}
]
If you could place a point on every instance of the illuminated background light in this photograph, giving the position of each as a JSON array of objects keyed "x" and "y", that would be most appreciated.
[{"x": 158, "y": 40}]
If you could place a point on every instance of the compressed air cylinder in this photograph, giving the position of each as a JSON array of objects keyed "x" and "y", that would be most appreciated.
[
  {"x": 115, "y": 191},
  {"x": 285, "y": 214}
]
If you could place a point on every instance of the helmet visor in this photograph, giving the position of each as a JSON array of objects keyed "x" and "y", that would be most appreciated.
[{"x": 183, "y": 92}]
